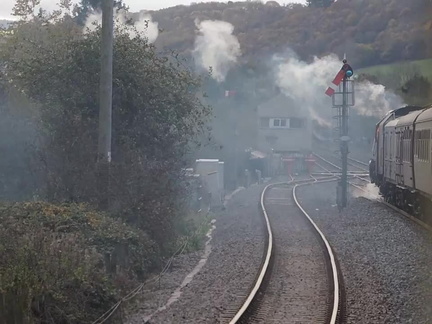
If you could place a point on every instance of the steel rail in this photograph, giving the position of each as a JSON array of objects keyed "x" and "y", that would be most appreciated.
[
  {"x": 378, "y": 198},
  {"x": 334, "y": 268},
  {"x": 265, "y": 265},
  {"x": 358, "y": 161}
]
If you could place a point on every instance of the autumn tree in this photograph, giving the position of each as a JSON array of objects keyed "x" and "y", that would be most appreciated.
[
  {"x": 87, "y": 6},
  {"x": 374, "y": 31},
  {"x": 157, "y": 116},
  {"x": 417, "y": 90}
]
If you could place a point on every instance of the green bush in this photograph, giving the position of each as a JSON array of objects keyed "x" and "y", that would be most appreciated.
[{"x": 67, "y": 263}]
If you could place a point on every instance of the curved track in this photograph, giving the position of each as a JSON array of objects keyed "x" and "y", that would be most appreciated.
[
  {"x": 299, "y": 281},
  {"x": 368, "y": 194}
]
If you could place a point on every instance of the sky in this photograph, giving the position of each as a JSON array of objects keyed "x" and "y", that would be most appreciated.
[{"x": 134, "y": 5}]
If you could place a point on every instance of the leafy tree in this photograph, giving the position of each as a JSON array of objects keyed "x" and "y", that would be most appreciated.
[
  {"x": 264, "y": 29},
  {"x": 367, "y": 77},
  {"x": 156, "y": 116},
  {"x": 55, "y": 265},
  {"x": 390, "y": 30},
  {"x": 87, "y": 6},
  {"x": 417, "y": 90}
]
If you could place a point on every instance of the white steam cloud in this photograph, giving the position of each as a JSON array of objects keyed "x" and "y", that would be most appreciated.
[
  {"x": 370, "y": 191},
  {"x": 143, "y": 26},
  {"x": 375, "y": 100},
  {"x": 216, "y": 47},
  {"x": 307, "y": 82}
]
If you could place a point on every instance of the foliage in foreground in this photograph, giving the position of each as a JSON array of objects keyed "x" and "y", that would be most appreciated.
[
  {"x": 156, "y": 118},
  {"x": 67, "y": 263},
  {"x": 60, "y": 261}
]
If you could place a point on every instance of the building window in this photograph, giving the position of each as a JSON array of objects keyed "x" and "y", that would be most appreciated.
[
  {"x": 279, "y": 123},
  {"x": 266, "y": 122}
]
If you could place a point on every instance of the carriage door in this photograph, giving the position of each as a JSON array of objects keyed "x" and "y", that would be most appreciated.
[{"x": 400, "y": 136}]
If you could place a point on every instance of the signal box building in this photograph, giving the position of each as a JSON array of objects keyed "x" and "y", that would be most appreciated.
[{"x": 284, "y": 134}]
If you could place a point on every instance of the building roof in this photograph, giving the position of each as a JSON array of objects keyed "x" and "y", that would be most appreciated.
[{"x": 280, "y": 106}]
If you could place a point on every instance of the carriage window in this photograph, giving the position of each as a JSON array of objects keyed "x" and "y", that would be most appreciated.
[
  {"x": 276, "y": 122},
  {"x": 422, "y": 145},
  {"x": 406, "y": 145}
]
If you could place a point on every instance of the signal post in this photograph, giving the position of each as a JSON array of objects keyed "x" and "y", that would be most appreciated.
[{"x": 342, "y": 92}]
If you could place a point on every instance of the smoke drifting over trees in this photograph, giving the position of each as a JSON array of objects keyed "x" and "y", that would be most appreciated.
[
  {"x": 306, "y": 83},
  {"x": 370, "y": 32},
  {"x": 49, "y": 90},
  {"x": 216, "y": 47}
]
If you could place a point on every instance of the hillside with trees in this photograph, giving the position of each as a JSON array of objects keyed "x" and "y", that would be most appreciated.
[
  {"x": 66, "y": 259},
  {"x": 370, "y": 32}
]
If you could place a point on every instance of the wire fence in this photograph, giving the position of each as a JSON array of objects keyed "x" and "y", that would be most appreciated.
[{"x": 117, "y": 306}]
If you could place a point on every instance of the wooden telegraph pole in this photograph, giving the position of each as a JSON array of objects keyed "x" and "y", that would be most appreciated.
[{"x": 105, "y": 102}]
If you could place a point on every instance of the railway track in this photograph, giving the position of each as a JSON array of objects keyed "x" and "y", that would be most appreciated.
[
  {"x": 361, "y": 173},
  {"x": 367, "y": 193},
  {"x": 359, "y": 164},
  {"x": 299, "y": 280}
]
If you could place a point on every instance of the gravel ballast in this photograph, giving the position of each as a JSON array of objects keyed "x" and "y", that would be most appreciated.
[
  {"x": 386, "y": 259},
  {"x": 297, "y": 290},
  {"x": 220, "y": 286}
]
